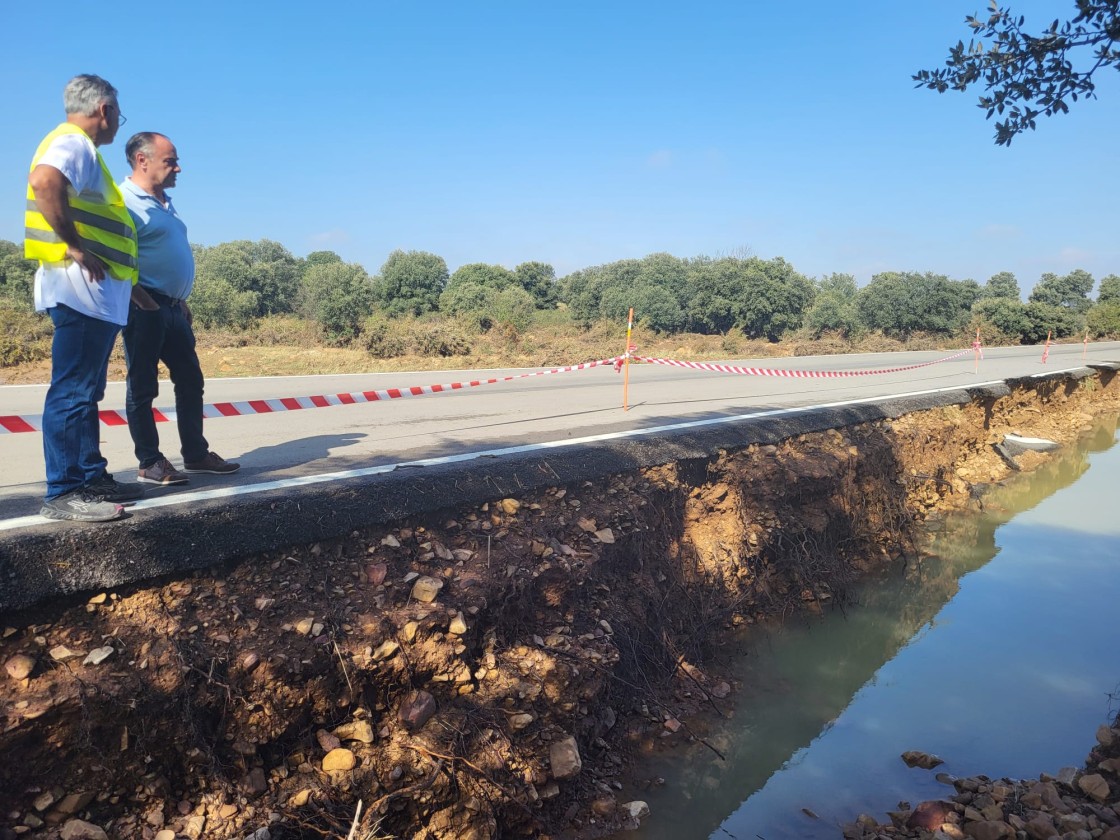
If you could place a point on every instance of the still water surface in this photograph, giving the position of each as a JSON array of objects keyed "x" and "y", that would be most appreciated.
[{"x": 998, "y": 653}]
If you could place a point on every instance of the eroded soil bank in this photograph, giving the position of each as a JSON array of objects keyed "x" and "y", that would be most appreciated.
[{"x": 481, "y": 672}]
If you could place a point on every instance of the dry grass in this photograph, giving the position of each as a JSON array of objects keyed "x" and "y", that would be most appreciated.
[{"x": 286, "y": 346}]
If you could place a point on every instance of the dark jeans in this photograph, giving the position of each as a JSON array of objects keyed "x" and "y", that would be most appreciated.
[
  {"x": 71, "y": 428},
  {"x": 150, "y": 338}
]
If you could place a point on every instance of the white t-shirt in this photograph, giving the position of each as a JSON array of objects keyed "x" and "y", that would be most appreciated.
[{"x": 75, "y": 156}]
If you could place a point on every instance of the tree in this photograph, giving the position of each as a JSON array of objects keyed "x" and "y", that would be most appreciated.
[
  {"x": 899, "y": 303},
  {"x": 1109, "y": 291},
  {"x": 471, "y": 301},
  {"x": 539, "y": 280},
  {"x": 1002, "y": 285},
  {"x": 411, "y": 282},
  {"x": 773, "y": 298},
  {"x": 320, "y": 258},
  {"x": 1046, "y": 319},
  {"x": 834, "y": 307},
  {"x": 216, "y": 303},
  {"x": 514, "y": 306},
  {"x": 1007, "y": 315},
  {"x": 1069, "y": 292},
  {"x": 265, "y": 269},
  {"x": 339, "y": 296},
  {"x": 655, "y": 307},
  {"x": 494, "y": 277},
  {"x": 1027, "y": 75}
]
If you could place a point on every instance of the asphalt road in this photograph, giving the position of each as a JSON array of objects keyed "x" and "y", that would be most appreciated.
[{"x": 318, "y": 443}]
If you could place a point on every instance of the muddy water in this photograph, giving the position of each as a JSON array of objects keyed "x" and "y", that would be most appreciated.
[{"x": 997, "y": 651}]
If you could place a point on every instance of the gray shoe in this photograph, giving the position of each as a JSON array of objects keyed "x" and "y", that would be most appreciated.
[
  {"x": 80, "y": 506},
  {"x": 108, "y": 489},
  {"x": 161, "y": 472}
]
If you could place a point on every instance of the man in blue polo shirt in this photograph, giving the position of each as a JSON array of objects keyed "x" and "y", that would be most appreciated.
[{"x": 159, "y": 319}]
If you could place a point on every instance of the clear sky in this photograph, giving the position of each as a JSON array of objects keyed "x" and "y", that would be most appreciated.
[{"x": 580, "y": 132}]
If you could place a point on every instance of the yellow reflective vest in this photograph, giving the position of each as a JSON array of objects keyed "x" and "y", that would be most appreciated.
[{"x": 104, "y": 224}]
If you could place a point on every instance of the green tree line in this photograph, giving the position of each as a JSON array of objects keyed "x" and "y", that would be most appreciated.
[{"x": 238, "y": 283}]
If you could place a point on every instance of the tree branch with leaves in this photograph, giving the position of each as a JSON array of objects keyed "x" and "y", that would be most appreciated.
[{"x": 1025, "y": 75}]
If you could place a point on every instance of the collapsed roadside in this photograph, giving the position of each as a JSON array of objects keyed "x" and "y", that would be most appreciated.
[{"x": 478, "y": 671}]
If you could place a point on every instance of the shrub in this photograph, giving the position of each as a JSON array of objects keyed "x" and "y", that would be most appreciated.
[
  {"x": 1103, "y": 320},
  {"x": 386, "y": 338},
  {"x": 24, "y": 336},
  {"x": 339, "y": 296}
]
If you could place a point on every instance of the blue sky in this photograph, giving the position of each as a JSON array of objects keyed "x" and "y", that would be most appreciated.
[{"x": 579, "y": 133}]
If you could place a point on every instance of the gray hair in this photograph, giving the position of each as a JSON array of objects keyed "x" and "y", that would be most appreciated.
[
  {"x": 140, "y": 143},
  {"x": 84, "y": 95}
]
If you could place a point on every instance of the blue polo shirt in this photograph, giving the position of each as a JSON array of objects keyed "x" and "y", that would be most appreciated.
[{"x": 166, "y": 261}]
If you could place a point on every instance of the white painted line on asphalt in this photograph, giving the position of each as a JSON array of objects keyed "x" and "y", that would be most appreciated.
[{"x": 323, "y": 478}]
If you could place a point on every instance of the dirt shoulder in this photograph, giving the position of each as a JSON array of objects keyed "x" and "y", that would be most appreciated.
[{"x": 480, "y": 670}]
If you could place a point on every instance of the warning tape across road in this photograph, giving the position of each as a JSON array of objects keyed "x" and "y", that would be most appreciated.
[
  {"x": 15, "y": 424},
  {"x": 791, "y": 374}
]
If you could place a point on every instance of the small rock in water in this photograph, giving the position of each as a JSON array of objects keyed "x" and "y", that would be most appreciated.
[
  {"x": 636, "y": 809},
  {"x": 1095, "y": 786},
  {"x": 930, "y": 814},
  {"x": 915, "y": 758}
]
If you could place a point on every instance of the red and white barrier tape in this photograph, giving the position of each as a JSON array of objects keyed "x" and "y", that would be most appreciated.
[
  {"x": 790, "y": 374},
  {"x": 14, "y": 424}
]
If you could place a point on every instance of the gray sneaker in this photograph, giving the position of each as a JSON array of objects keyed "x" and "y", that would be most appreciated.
[
  {"x": 108, "y": 489},
  {"x": 213, "y": 463},
  {"x": 161, "y": 472},
  {"x": 80, "y": 506}
]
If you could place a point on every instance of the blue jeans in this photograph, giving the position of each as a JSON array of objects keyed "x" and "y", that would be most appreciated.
[
  {"x": 164, "y": 336},
  {"x": 71, "y": 434}
]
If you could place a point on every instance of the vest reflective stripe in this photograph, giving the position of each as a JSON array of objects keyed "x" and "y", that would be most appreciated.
[
  {"x": 104, "y": 225},
  {"x": 88, "y": 218}
]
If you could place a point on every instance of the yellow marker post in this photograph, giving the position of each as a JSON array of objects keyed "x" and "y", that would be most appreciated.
[
  {"x": 976, "y": 352},
  {"x": 626, "y": 362},
  {"x": 1046, "y": 349},
  {"x": 1085, "y": 346}
]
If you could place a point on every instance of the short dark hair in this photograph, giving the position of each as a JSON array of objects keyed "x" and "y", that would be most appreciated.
[{"x": 140, "y": 143}]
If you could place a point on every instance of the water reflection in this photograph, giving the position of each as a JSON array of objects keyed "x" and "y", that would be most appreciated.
[{"x": 994, "y": 651}]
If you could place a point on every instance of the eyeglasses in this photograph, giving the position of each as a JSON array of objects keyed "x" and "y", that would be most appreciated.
[{"x": 121, "y": 118}]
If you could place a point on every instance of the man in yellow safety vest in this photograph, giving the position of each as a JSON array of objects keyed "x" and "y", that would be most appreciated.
[{"x": 77, "y": 227}]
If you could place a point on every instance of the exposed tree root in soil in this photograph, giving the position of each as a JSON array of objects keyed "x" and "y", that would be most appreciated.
[{"x": 473, "y": 673}]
